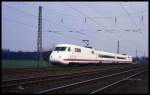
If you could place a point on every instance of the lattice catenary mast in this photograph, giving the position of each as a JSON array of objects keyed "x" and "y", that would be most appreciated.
[{"x": 39, "y": 40}]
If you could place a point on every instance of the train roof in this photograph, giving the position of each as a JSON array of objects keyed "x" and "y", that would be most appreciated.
[
  {"x": 103, "y": 52},
  {"x": 99, "y": 51},
  {"x": 70, "y": 45},
  {"x": 113, "y": 54},
  {"x": 64, "y": 45}
]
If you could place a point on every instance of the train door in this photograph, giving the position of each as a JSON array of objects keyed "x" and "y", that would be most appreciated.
[{"x": 72, "y": 54}]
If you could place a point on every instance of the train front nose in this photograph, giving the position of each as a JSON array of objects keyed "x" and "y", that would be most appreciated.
[{"x": 55, "y": 58}]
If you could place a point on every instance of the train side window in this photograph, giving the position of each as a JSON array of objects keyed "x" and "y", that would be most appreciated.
[
  {"x": 92, "y": 52},
  {"x": 99, "y": 55},
  {"x": 106, "y": 56},
  {"x": 121, "y": 58},
  {"x": 77, "y": 50},
  {"x": 69, "y": 49}
]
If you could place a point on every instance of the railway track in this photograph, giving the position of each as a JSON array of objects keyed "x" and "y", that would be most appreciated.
[
  {"x": 54, "y": 68},
  {"x": 39, "y": 84},
  {"x": 16, "y": 73},
  {"x": 108, "y": 87},
  {"x": 12, "y": 82},
  {"x": 136, "y": 84},
  {"x": 95, "y": 85},
  {"x": 13, "y": 74}
]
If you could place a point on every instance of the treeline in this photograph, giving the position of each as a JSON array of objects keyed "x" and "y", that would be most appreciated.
[
  {"x": 19, "y": 55},
  {"x": 140, "y": 59}
]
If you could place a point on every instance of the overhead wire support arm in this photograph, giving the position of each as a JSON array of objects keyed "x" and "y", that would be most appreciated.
[
  {"x": 83, "y": 14},
  {"x": 112, "y": 31},
  {"x": 86, "y": 42}
]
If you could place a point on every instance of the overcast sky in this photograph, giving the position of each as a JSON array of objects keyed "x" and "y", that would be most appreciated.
[{"x": 123, "y": 21}]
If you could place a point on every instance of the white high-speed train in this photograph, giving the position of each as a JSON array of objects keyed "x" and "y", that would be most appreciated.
[{"x": 73, "y": 54}]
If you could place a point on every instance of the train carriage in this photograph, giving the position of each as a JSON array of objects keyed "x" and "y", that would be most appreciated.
[{"x": 73, "y": 54}]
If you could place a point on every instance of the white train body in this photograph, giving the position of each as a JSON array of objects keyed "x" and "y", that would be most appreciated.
[{"x": 73, "y": 54}]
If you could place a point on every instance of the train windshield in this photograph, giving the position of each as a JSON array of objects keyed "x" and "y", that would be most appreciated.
[{"x": 60, "y": 49}]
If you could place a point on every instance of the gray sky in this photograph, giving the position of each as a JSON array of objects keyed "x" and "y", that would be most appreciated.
[{"x": 20, "y": 21}]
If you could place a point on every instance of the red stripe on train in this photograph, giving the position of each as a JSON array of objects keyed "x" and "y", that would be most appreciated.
[
  {"x": 81, "y": 60},
  {"x": 89, "y": 60}
]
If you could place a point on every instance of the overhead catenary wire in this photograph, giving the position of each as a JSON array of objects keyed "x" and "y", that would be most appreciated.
[
  {"x": 130, "y": 17},
  {"x": 25, "y": 24},
  {"x": 114, "y": 25},
  {"x": 44, "y": 19},
  {"x": 35, "y": 27},
  {"x": 138, "y": 12},
  {"x": 34, "y": 16},
  {"x": 84, "y": 15},
  {"x": 122, "y": 16},
  {"x": 120, "y": 28},
  {"x": 141, "y": 22},
  {"x": 30, "y": 26},
  {"x": 19, "y": 22}
]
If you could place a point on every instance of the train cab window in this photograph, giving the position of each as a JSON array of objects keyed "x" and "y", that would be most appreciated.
[
  {"x": 69, "y": 49},
  {"x": 60, "y": 49}
]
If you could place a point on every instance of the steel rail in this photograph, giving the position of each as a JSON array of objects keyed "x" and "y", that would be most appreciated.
[
  {"x": 115, "y": 83},
  {"x": 17, "y": 79},
  {"x": 53, "y": 68},
  {"x": 47, "y": 68},
  {"x": 82, "y": 82},
  {"x": 55, "y": 77},
  {"x": 24, "y": 78}
]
